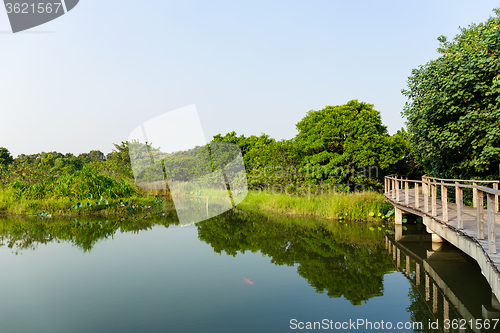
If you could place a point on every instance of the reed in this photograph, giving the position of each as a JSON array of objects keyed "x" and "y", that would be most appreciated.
[{"x": 366, "y": 206}]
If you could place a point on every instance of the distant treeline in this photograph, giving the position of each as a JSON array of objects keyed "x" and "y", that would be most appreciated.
[{"x": 345, "y": 145}]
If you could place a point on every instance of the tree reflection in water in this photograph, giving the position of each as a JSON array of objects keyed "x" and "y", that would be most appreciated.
[
  {"x": 335, "y": 258},
  {"x": 340, "y": 259}
]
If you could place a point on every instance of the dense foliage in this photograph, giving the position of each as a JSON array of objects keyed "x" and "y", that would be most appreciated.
[
  {"x": 55, "y": 175},
  {"x": 5, "y": 158},
  {"x": 453, "y": 112},
  {"x": 343, "y": 146},
  {"x": 346, "y": 143}
]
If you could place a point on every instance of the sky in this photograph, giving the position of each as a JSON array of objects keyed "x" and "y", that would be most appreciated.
[{"x": 89, "y": 78}]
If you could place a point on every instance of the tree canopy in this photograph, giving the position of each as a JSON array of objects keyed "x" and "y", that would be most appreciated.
[
  {"x": 343, "y": 144},
  {"x": 338, "y": 139},
  {"x": 453, "y": 111},
  {"x": 5, "y": 157}
]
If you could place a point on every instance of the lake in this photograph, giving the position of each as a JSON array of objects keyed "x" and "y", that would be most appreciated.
[{"x": 239, "y": 272}]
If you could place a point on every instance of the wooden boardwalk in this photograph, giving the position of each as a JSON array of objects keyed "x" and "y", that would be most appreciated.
[
  {"x": 469, "y": 216},
  {"x": 474, "y": 236}
]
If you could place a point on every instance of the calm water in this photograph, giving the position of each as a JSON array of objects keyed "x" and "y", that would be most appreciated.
[{"x": 238, "y": 273}]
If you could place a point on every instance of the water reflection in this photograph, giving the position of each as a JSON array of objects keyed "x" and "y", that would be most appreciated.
[
  {"x": 22, "y": 234},
  {"x": 340, "y": 259},
  {"x": 352, "y": 261},
  {"x": 447, "y": 286}
]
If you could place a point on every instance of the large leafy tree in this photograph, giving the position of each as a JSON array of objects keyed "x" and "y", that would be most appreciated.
[
  {"x": 453, "y": 112},
  {"x": 5, "y": 157},
  {"x": 345, "y": 142}
]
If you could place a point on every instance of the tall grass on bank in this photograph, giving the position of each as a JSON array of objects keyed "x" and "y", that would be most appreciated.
[
  {"x": 12, "y": 206},
  {"x": 77, "y": 186},
  {"x": 24, "y": 195},
  {"x": 366, "y": 206}
]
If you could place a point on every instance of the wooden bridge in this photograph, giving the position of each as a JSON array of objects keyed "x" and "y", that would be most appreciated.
[{"x": 471, "y": 229}]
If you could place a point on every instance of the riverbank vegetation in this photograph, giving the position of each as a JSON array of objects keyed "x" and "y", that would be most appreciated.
[
  {"x": 74, "y": 185},
  {"x": 342, "y": 147},
  {"x": 365, "y": 206}
]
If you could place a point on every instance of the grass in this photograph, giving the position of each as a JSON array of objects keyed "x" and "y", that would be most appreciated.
[
  {"x": 366, "y": 206},
  {"x": 57, "y": 206}
]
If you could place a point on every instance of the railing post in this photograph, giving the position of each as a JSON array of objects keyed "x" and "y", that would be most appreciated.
[
  {"x": 426, "y": 196},
  {"x": 480, "y": 222},
  {"x": 444, "y": 202},
  {"x": 417, "y": 274},
  {"x": 434, "y": 298},
  {"x": 474, "y": 195},
  {"x": 398, "y": 262},
  {"x": 459, "y": 200},
  {"x": 397, "y": 190},
  {"x": 427, "y": 289},
  {"x": 492, "y": 237},
  {"x": 407, "y": 194},
  {"x": 495, "y": 187},
  {"x": 393, "y": 192},
  {"x": 417, "y": 198},
  {"x": 434, "y": 195},
  {"x": 446, "y": 312}
]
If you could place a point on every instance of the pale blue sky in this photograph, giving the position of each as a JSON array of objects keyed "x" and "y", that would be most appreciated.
[{"x": 250, "y": 66}]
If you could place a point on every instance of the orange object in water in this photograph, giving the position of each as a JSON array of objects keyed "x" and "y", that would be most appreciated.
[{"x": 247, "y": 280}]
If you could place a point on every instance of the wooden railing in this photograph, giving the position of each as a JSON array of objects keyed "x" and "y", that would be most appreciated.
[{"x": 428, "y": 187}]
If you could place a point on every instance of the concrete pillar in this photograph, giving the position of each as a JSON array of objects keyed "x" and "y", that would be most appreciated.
[
  {"x": 436, "y": 239},
  {"x": 436, "y": 246},
  {"x": 398, "y": 232},
  {"x": 398, "y": 215}
]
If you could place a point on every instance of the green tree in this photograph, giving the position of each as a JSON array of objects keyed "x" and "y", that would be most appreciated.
[
  {"x": 346, "y": 144},
  {"x": 120, "y": 153},
  {"x": 453, "y": 111},
  {"x": 249, "y": 145},
  {"x": 5, "y": 157}
]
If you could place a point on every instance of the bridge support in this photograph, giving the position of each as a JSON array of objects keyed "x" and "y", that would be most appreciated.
[
  {"x": 398, "y": 215},
  {"x": 435, "y": 237}
]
